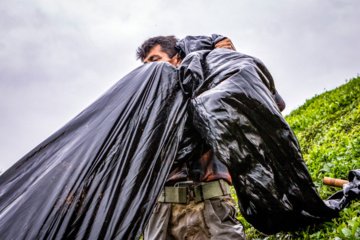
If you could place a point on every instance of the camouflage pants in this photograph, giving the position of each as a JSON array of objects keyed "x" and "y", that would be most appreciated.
[{"x": 211, "y": 219}]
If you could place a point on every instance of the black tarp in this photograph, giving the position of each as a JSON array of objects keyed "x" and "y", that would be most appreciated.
[{"x": 99, "y": 176}]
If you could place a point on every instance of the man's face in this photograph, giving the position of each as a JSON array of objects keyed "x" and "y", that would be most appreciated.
[{"x": 157, "y": 55}]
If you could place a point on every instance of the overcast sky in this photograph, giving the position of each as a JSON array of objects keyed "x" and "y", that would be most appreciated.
[{"x": 57, "y": 57}]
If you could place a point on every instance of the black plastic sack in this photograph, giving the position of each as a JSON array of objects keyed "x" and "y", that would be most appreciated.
[
  {"x": 100, "y": 175},
  {"x": 239, "y": 118}
]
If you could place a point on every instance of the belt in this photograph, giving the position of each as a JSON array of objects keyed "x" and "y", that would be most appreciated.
[{"x": 184, "y": 192}]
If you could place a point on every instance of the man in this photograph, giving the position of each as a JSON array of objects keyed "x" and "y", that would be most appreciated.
[
  {"x": 196, "y": 202},
  {"x": 98, "y": 177}
]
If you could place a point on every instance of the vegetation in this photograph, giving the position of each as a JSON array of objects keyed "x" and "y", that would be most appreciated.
[{"x": 328, "y": 129}]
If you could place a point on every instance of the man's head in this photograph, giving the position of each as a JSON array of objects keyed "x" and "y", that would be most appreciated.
[{"x": 160, "y": 48}]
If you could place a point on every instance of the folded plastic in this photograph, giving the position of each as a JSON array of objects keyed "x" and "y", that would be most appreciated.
[{"x": 100, "y": 175}]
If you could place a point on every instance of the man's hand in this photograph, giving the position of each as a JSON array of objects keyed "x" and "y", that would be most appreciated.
[{"x": 226, "y": 43}]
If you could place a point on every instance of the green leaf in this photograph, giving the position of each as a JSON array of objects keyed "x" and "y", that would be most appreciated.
[
  {"x": 346, "y": 232},
  {"x": 355, "y": 228}
]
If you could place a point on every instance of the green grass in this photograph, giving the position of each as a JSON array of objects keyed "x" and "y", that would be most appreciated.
[{"x": 328, "y": 129}]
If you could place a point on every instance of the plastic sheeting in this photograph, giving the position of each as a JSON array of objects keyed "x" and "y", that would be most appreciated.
[
  {"x": 99, "y": 176},
  {"x": 240, "y": 120}
]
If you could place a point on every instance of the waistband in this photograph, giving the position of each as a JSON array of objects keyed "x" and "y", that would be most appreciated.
[{"x": 184, "y": 192}]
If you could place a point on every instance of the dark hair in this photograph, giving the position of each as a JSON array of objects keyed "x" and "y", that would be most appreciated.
[{"x": 167, "y": 44}]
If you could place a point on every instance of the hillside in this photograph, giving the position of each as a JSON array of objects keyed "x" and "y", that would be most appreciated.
[{"x": 328, "y": 129}]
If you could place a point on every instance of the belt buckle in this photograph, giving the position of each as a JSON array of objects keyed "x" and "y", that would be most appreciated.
[{"x": 189, "y": 186}]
